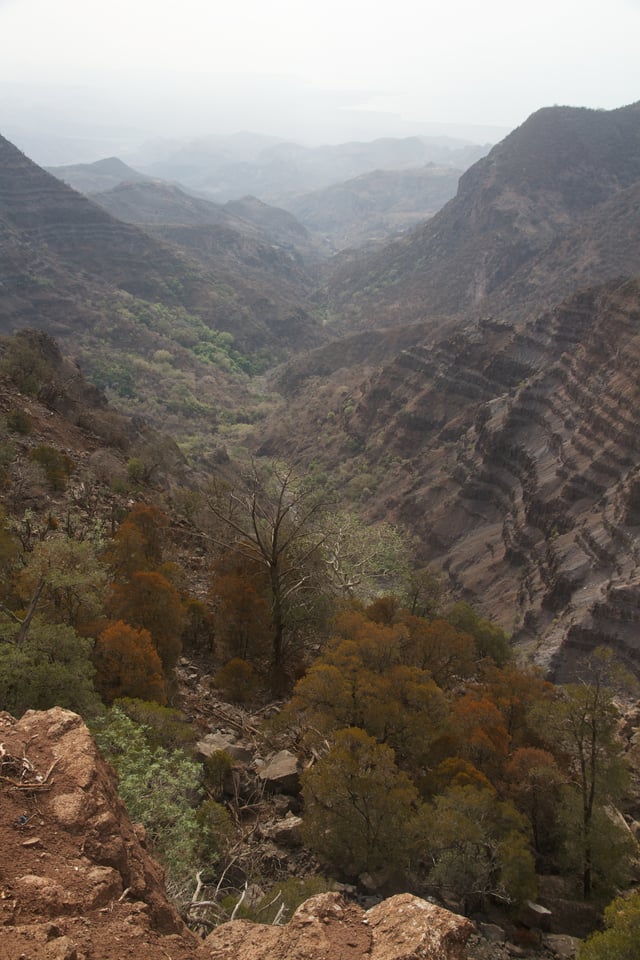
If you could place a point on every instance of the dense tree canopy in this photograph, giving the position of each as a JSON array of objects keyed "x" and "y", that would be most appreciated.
[{"x": 358, "y": 805}]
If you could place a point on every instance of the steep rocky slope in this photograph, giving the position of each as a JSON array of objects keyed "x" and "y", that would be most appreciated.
[
  {"x": 76, "y": 882},
  {"x": 65, "y": 256},
  {"x": 556, "y": 176},
  {"x": 499, "y": 426},
  {"x": 512, "y": 452}
]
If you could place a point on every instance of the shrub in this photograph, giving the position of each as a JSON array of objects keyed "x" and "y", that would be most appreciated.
[
  {"x": 164, "y": 726},
  {"x": 237, "y": 680},
  {"x": 621, "y": 938},
  {"x": 156, "y": 786},
  {"x": 19, "y": 421},
  {"x": 57, "y": 466},
  {"x": 358, "y": 806}
]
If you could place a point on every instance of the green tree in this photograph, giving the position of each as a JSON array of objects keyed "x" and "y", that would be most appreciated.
[
  {"x": 73, "y": 580},
  {"x": 491, "y": 640},
  {"x": 50, "y": 666},
  {"x": 358, "y": 806},
  {"x": 423, "y": 593},
  {"x": 478, "y": 845},
  {"x": 580, "y": 725},
  {"x": 621, "y": 938},
  {"x": 362, "y": 558},
  {"x": 23, "y": 360},
  {"x": 57, "y": 466},
  {"x": 533, "y": 781}
]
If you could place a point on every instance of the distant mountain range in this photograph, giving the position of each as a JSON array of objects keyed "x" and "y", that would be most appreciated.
[
  {"x": 490, "y": 401},
  {"x": 226, "y": 168},
  {"x": 555, "y": 184},
  {"x": 474, "y": 380},
  {"x": 375, "y": 206},
  {"x": 61, "y": 230},
  {"x": 349, "y": 195},
  {"x": 146, "y": 317}
]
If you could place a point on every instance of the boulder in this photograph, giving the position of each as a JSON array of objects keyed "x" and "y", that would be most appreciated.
[
  {"x": 280, "y": 774},
  {"x": 405, "y": 927},
  {"x": 286, "y": 832},
  {"x": 327, "y": 927},
  {"x": 562, "y": 946},
  {"x": 218, "y": 742}
]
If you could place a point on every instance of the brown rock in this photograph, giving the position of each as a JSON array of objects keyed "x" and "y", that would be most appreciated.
[
  {"x": 286, "y": 832},
  {"x": 62, "y": 949},
  {"x": 280, "y": 774},
  {"x": 405, "y": 927},
  {"x": 327, "y": 927},
  {"x": 32, "y": 842},
  {"x": 561, "y": 946},
  {"x": 93, "y": 853}
]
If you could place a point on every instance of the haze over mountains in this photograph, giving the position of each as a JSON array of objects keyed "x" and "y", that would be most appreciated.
[
  {"x": 474, "y": 380},
  {"x": 228, "y": 168},
  {"x": 350, "y": 194}
]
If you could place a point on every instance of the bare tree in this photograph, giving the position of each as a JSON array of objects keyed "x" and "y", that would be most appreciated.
[{"x": 276, "y": 521}]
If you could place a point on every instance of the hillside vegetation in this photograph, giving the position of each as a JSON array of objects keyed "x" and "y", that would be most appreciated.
[{"x": 383, "y": 530}]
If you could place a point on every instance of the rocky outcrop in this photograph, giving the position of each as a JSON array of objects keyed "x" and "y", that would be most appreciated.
[
  {"x": 77, "y": 884},
  {"x": 511, "y": 451},
  {"x": 327, "y": 927},
  {"x": 75, "y": 879},
  {"x": 61, "y": 807}
]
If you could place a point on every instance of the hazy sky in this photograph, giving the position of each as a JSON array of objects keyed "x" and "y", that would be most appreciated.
[{"x": 329, "y": 70}]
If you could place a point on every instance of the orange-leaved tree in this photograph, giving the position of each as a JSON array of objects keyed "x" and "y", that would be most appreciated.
[
  {"x": 148, "y": 600},
  {"x": 139, "y": 541},
  {"x": 478, "y": 727},
  {"x": 447, "y": 653},
  {"x": 128, "y": 665},
  {"x": 241, "y": 614}
]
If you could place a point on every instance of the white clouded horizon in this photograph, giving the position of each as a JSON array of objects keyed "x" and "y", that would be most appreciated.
[{"x": 291, "y": 68}]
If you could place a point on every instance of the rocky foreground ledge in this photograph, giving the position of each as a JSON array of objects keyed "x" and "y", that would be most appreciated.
[{"x": 77, "y": 884}]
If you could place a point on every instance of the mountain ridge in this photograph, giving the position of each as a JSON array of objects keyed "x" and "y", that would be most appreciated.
[{"x": 506, "y": 212}]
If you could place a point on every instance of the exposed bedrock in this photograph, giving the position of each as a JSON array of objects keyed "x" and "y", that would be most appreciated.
[{"x": 527, "y": 452}]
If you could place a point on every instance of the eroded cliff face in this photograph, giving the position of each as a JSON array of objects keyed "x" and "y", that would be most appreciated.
[
  {"x": 508, "y": 449},
  {"x": 74, "y": 875},
  {"x": 521, "y": 469},
  {"x": 77, "y": 884}
]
